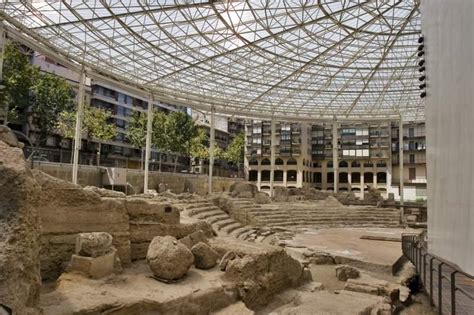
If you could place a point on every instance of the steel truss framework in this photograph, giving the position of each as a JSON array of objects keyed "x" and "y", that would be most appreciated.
[{"x": 290, "y": 60}]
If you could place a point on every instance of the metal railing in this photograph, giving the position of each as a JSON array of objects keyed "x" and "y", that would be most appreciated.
[{"x": 449, "y": 289}]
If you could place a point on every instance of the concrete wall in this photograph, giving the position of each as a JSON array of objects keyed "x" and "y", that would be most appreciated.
[
  {"x": 176, "y": 182},
  {"x": 448, "y": 28}
]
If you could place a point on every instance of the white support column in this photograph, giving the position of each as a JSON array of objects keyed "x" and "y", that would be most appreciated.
[
  {"x": 400, "y": 161},
  {"x": 211, "y": 150},
  {"x": 285, "y": 177},
  {"x": 374, "y": 176},
  {"x": 149, "y": 127},
  {"x": 78, "y": 129},
  {"x": 335, "y": 155},
  {"x": 272, "y": 156},
  {"x": 259, "y": 179},
  {"x": 362, "y": 181}
]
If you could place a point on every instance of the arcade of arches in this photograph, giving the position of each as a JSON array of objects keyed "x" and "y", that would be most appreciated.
[{"x": 355, "y": 176}]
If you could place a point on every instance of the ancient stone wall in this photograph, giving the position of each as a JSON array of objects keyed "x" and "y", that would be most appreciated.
[
  {"x": 176, "y": 182},
  {"x": 65, "y": 210},
  {"x": 20, "y": 279}
]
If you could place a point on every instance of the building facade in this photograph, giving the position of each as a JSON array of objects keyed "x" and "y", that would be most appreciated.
[{"x": 367, "y": 156}]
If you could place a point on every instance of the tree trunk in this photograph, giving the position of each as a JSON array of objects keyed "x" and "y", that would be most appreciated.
[
  {"x": 141, "y": 160},
  {"x": 175, "y": 163},
  {"x": 98, "y": 154}
]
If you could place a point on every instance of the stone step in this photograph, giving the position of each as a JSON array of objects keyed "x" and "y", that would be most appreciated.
[
  {"x": 217, "y": 218},
  {"x": 231, "y": 227},
  {"x": 239, "y": 231},
  {"x": 196, "y": 211},
  {"x": 266, "y": 211},
  {"x": 197, "y": 204},
  {"x": 208, "y": 214},
  {"x": 326, "y": 217},
  {"x": 324, "y": 221},
  {"x": 222, "y": 223},
  {"x": 245, "y": 235}
]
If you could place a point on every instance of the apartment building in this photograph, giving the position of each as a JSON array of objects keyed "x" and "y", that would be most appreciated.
[
  {"x": 365, "y": 156},
  {"x": 117, "y": 152}
]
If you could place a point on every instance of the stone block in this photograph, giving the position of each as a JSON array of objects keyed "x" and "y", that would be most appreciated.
[
  {"x": 93, "y": 244},
  {"x": 94, "y": 267},
  {"x": 140, "y": 209}
]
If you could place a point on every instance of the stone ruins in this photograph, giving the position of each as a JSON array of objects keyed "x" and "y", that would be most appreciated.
[{"x": 65, "y": 249}]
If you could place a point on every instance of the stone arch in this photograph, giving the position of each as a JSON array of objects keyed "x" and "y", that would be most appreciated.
[
  {"x": 253, "y": 176},
  {"x": 355, "y": 164},
  {"x": 343, "y": 178},
  {"x": 279, "y": 161},
  {"x": 265, "y": 175},
  {"x": 330, "y": 177},
  {"x": 291, "y": 176},
  {"x": 317, "y": 177},
  {"x": 329, "y": 164},
  {"x": 355, "y": 177},
  {"x": 291, "y": 161},
  {"x": 382, "y": 177},
  {"x": 253, "y": 161},
  {"x": 278, "y": 177},
  {"x": 368, "y": 177},
  {"x": 265, "y": 162},
  {"x": 343, "y": 164}
]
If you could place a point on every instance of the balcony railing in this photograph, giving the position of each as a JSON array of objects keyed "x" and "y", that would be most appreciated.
[{"x": 450, "y": 289}]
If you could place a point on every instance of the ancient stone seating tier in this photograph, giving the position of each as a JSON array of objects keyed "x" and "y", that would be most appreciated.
[
  {"x": 220, "y": 220},
  {"x": 315, "y": 213}
]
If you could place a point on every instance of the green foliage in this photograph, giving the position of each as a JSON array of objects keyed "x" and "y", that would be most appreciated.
[
  {"x": 199, "y": 149},
  {"x": 96, "y": 124},
  {"x": 136, "y": 129},
  {"x": 19, "y": 76},
  {"x": 160, "y": 136},
  {"x": 235, "y": 150},
  {"x": 52, "y": 95},
  {"x": 181, "y": 129},
  {"x": 66, "y": 124}
]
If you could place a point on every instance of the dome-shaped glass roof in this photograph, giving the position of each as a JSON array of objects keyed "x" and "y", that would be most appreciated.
[{"x": 293, "y": 59}]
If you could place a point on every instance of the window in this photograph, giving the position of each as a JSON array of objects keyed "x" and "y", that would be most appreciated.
[
  {"x": 411, "y": 132},
  {"x": 257, "y": 129},
  {"x": 412, "y": 173},
  {"x": 412, "y": 158},
  {"x": 256, "y": 140}
]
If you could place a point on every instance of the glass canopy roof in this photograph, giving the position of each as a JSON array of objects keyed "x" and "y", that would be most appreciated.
[{"x": 295, "y": 59}]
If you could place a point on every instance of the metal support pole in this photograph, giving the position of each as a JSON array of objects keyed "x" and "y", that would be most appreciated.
[
  {"x": 272, "y": 156},
  {"x": 78, "y": 130},
  {"x": 400, "y": 161},
  {"x": 211, "y": 150},
  {"x": 335, "y": 155},
  {"x": 453, "y": 292},
  {"x": 149, "y": 128}
]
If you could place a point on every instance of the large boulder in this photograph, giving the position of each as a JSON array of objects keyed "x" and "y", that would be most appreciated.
[
  {"x": 93, "y": 244},
  {"x": 7, "y": 136},
  {"x": 204, "y": 256},
  {"x": 168, "y": 259},
  {"x": 240, "y": 189},
  {"x": 345, "y": 272},
  {"x": 105, "y": 192},
  {"x": 262, "y": 198},
  {"x": 20, "y": 279}
]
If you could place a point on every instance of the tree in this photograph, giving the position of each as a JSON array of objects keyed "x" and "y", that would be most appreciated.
[
  {"x": 136, "y": 132},
  {"x": 181, "y": 129},
  {"x": 95, "y": 124},
  {"x": 98, "y": 127},
  {"x": 160, "y": 138},
  {"x": 18, "y": 79},
  {"x": 235, "y": 151},
  {"x": 52, "y": 95}
]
